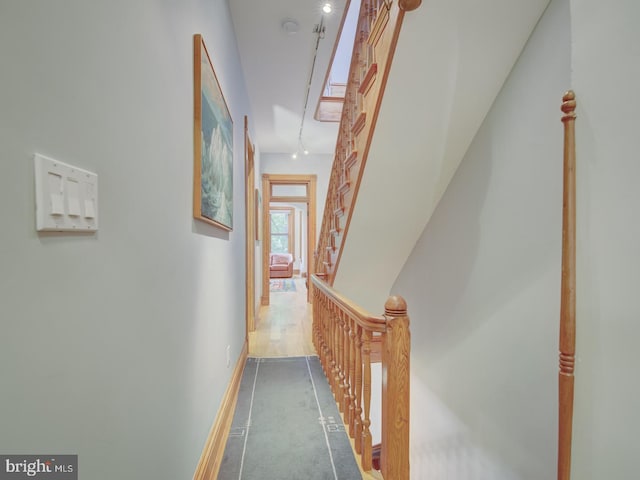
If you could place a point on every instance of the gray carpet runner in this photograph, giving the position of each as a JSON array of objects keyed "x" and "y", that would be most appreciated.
[{"x": 286, "y": 425}]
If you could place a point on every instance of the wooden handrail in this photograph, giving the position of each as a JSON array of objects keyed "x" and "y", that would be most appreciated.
[
  {"x": 568, "y": 291},
  {"x": 343, "y": 337},
  {"x": 364, "y": 318}
]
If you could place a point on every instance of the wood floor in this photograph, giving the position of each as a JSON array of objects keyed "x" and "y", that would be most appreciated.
[{"x": 283, "y": 328}]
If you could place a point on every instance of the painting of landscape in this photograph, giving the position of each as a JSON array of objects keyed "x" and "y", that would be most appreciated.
[{"x": 213, "y": 145}]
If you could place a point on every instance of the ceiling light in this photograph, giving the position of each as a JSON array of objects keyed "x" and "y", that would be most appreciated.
[
  {"x": 301, "y": 149},
  {"x": 327, "y": 8},
  {"x": 290, "y": 26}
]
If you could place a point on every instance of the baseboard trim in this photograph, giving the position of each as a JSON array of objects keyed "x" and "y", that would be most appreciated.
[{"x": 211, "y": 456}]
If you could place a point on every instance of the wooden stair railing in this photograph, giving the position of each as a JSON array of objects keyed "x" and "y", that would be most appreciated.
[
  {"x": 377, "y": 32},
  {"x": 344, "y": 336}
]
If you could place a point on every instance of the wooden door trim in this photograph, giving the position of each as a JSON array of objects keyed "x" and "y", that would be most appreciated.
[
  {"x": 250, "y": 231},
  {"x": 269, "y": 179}
]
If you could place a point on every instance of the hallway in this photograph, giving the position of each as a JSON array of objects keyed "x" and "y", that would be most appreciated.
[
  {"x": 283, "y": 328},
  {"x": 283, "y": 336}
]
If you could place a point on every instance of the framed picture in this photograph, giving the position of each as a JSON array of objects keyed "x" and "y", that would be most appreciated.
[{"x": 213, "y": 145}]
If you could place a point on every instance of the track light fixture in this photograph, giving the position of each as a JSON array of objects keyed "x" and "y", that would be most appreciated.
[
  {"x": 301, "y": 150},
  {"x": 319, "y": 30}
]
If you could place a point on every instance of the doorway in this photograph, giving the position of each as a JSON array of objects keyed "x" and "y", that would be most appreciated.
[{"x": 289, "y": 189}]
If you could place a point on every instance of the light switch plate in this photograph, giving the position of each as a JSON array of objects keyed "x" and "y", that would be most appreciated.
[{"x": 66, "y": 197}]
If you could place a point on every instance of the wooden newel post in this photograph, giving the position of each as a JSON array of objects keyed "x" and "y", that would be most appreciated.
[
  {"x": 394, "y": 457},
  {"x": 568, "y": 291}
]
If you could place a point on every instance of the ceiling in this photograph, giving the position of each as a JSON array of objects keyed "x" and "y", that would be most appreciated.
[{"x": 277, "y": 67}]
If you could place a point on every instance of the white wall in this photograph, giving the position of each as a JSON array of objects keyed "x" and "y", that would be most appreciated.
[
  {"x": 482, "y": 285},
  {"x": 112, "y": 346},
  {"x": 606, "y": 75},
  {"x": 451, "y": 60}
]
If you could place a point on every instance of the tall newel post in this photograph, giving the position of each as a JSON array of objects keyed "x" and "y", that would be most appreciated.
[
  {"x": 394, "y": 457},
  {"x": 568, "y": 291}
]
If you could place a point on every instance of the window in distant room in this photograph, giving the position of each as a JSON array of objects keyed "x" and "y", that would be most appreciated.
[{"x": 281, "y": 230}]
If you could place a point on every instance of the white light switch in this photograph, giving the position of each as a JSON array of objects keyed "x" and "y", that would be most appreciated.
[
  {"x": 73, "y": 197},
  {"x": 89, "y": 209},
  {"x": 66, "y": 197},
  {"x": 55, "y": 193},
  {"x": 57, "y": 205}
]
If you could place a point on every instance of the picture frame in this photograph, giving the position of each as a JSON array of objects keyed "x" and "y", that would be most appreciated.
[{"x": 213, "y": 144}]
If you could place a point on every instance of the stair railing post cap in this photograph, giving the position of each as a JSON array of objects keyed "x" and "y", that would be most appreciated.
[{"x": 395, "y": 306}]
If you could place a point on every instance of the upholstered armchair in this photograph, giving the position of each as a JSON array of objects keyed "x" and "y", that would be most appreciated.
[{"x": 280, "y": 265}]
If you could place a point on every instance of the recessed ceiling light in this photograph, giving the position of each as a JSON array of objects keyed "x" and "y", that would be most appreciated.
[
  {"x": 290, "y": 26},
  {"x": 327, "y": 8}
]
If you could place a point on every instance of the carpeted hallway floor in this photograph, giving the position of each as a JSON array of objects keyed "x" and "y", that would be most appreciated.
[{"x": 286, "y": 425}]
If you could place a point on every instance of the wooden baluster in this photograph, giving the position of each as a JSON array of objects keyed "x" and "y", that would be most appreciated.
[
  {"x": 334, "y": 352},
  {"x": 322, "y": 331},
  {"x": 327, "y": 337},
  {"x": 314, "y": 323},
  {"x": 316, "y": 318},
  {"x": 319, "y": 312},
  {"x": 352, "y": 377},
  {"x": 353, "y": 105},
  {"x": 318, "y": 315},
  {"x": 327, "y": 341},
  {"x": 338, "y": 376},
  {"x": 373, "y": 15},
  {"x": 366, "y": 396},
  {"x": 354, "y": 85},
  {"x": 394, "y": 457},
  {"x": 322, "y": 325},
  {"x": 568, "y": 291},
  {"x": 358, "y": 390},
  {"x": 325, "y": 334},
  {"x": 364, "y": 51},
  {"x": 359, "y": 48},
  {"x": 346, "y": 397},
  {"x": 340, "y": 380},
  {"x": 371, "y": 12}
]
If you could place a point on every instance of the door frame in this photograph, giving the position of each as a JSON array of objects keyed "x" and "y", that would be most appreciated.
[
  {"x": 250, "y": 230},
  {"x": 268, "y": 181}
]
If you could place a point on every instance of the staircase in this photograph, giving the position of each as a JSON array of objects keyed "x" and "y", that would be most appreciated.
[
  {"x": 420, "y": 115},
  {"x": 377, "y": 33}
]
